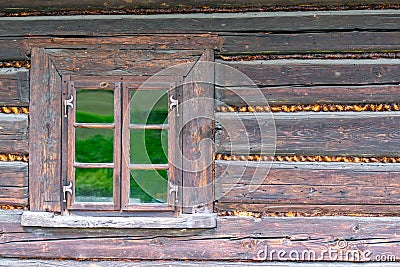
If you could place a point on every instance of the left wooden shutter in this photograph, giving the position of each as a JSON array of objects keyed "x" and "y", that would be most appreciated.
[{"x": 45, "y": 134}]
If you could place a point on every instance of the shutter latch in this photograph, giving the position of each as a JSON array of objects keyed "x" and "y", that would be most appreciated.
[
  {"x": 67, "y": 189},
  {"x": 173, "y": 102},
  {"x": 68, "y": 103},
  {"x": 174, "y": 189}
]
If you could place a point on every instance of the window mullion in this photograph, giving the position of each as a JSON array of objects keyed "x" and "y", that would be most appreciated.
[
  {"x": 117, "y": 145},
  {"x": 125, "y": 174}
]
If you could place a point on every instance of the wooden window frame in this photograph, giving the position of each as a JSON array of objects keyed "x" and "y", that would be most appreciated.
[
  {"x": 121, "y": 86},
  {"x": 49, "y": 87}
]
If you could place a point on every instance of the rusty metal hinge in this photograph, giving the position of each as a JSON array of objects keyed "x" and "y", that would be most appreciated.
[{"x": 68, "y": 103}]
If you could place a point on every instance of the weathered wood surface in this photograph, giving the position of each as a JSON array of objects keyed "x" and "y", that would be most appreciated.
[
  {"x": 197, "y": 134},
  {"x": 106, "y": 25},
  {"x": 315, "y": 72},
  {"x": 235, "y": 238},
  {"x": 38, "y": 5},
  {"x": 327, "y": 42},
  {"x": 14, "y": 87},
  {"x": 45, "y": 134},
  {"x": 183, "y": 221},
  {"x": 306, "y": 183},
  {"x": 12, "y": 262},
  {"x": 143, "y": 42},
  {"x": 14, "y": 183},
  {"x": 12, "y": 48},
  {"x": 307, "y": 133},
  {"x": 253, "y": 96},
  {"x": 311, "y": 209},
  {"x": 120, "y": 62},
  {"x": 13, "y": 133},
  {"x": 224, "y": 43},
  {"x": 13, "y": 174}
]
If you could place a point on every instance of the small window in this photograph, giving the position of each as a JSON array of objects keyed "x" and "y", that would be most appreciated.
[
  {"x": 118, "y": 137},
  {"x": 106, "y": 145}
]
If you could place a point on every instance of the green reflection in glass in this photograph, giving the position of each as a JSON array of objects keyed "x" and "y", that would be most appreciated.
[
  {"x": 94, "y": 145},
  {"x": 149, "y": 106},
  {"x": 149, "y": 186},
  {"x": 149, "y": 146},
  {"x": 95, "y": 106},
  {"x": 93, "y": 185}
]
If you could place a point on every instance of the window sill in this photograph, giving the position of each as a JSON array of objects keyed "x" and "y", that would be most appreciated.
[{"x": 49, "y": 219}]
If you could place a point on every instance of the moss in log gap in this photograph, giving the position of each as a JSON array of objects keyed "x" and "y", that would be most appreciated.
[
  {"x": 14, "y": 157},
  {"x": 310, "y": 158},
  {"x": 14, "y": 110},
  {"x": 16, "y": 64},
  {"x": 378, "y": 107}
]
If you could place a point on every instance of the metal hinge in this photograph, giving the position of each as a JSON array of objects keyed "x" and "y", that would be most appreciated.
[
  {"x": 68, "y": 103},
  {"x": 67, "y": 189},
  {"x": 173, "y": 102},
  {"x": 172, "y": 189}
]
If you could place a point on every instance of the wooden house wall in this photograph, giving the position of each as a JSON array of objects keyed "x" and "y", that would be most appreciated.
[{"x": 306, "y": 58}]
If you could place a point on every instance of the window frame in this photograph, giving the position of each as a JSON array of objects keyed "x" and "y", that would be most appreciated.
[
  {"x": 49, "y": 87},
  {"x": 121, "y": 86}
]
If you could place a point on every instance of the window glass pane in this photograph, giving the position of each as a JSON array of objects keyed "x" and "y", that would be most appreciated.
[
  {"x": 95, "y": 106},
  {"x": 94, "y": 145},
  {"x": 93, "y": 185},
  {"x": 149, "y": 186},
  {"x": 149, "y": 106},
  {"x": 149, "y": 146}
]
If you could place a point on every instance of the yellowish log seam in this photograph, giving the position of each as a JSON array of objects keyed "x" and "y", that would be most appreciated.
[
  {"x": 14, "y": 110},
  {"x": 296, "y": 158},
  {"x": 14, "y": 157},
  {"x": 313, "y": 108}
]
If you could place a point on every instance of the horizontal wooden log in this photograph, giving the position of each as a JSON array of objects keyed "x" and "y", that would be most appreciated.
[
  {"x": 201, "y": 23},
  {"x": 13, "y": 174},
  {"x": 309, "y": 209},
  {"x": 225, "y": 43},
  {"x": 12, "y": 48},
  {"x": 312, "y": 72},
  {"x": 10, "y": 195},
  {"x": 38, "y": 5},
  {"x": 331, "y": 42},
  {"x": 253, "y": 96},
  {"x": 14, "y": 87},
  {"x": 307, "y": 133},
  {"x": 13, "y": 133},
  {"x": 235, "y": 238},
  {"x": 306, "y": 183},
  {"x": 20, "y": 48},
  {"x": 304, "y": 194},
  {"x": 122, "y": 62},
  {"x": 161, "y": 263}
]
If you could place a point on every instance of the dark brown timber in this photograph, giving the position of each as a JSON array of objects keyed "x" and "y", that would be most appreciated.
[
  {"x": 14, "y": 87},
  {"x": 45, "y": 134},
  {"x": 235, "y": 238},
  {"x": 335, "y": 133},
  {"x": 13, "y": 133},
  {"x": 290, "y": 95},
  {"x": 197, "y": 134},
  {"x": 316, "y": 72}
]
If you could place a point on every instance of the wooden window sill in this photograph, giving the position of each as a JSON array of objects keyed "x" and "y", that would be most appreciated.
[{"x": 49, "y": 219}]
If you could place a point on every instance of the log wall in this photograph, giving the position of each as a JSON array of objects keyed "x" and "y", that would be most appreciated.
[{"x": 303, "y": 58}]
